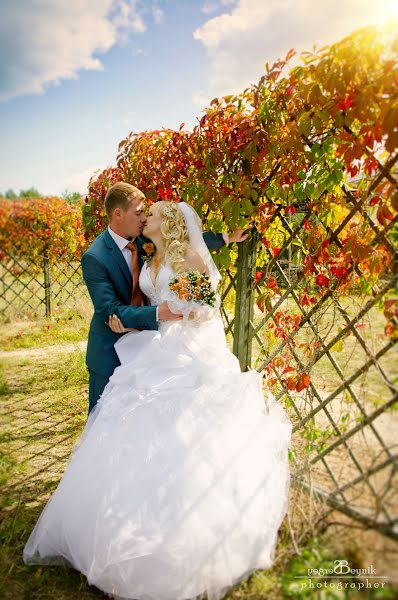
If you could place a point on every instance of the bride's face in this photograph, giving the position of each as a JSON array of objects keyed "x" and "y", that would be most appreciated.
[{"x": 153, "y": 221}]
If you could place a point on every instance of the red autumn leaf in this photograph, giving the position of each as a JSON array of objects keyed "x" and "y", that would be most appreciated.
[
  {"x": 261, "y": 155},
  {"x": 290, "y": 210},
  {"x": 394, "y": 201},
  {"x": 322, "y": 280},
  {"x": 303, "y": 382},
  {"x": 272, "y": 283},
  {"x": 258, "y": 275},
  {"x": 289, "y": 90},
  {"x": 291, "y": 383},
  {"x": 260, "y": 303},
  {"x": 339, "y": 271},
  {"x": 345, "y": 103},
  {"x": 371, "y": 164},
  {"x": 352, "y": 170},
  {"x": 276, "y": 251},
  {"x": 390, "y": 330},
  {"x": 383, "y": 215},
  {"x": 391, "y": 308},
  {"x": 304, "y": 300}
]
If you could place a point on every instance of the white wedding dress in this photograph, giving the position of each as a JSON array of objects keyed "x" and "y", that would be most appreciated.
[{"x": 180, "y": 480}]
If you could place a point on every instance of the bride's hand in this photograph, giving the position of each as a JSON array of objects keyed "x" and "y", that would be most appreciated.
[
  {"x": 200, "y": 317},
  {"x": 116, "y": 325}
]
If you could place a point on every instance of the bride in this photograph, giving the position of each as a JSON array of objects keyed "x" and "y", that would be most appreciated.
[{"x": 179, "y": 482}]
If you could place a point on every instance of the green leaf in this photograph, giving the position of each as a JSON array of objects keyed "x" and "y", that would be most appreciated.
[
  {"x": 304, "y": 125},
  {"x": 247, "y": 207},
  {"x": 338, "y": 346}
]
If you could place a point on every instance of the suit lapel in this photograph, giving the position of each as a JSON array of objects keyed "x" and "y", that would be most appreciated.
[
  {"x": 117, "y": 255},
  {"x": 140, "y": 242}
]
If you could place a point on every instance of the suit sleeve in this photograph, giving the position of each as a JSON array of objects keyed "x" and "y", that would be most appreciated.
[
  {"x": 214, "y": 241},
  {"x": 106, "y": 302}
]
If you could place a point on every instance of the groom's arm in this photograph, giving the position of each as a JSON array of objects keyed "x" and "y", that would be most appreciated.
[
  {"x": 214, "y": 241},
  {"x": 106, "y": 302}
]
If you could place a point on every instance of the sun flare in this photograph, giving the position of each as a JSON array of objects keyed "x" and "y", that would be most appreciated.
[{"x": 387, "y": 11}]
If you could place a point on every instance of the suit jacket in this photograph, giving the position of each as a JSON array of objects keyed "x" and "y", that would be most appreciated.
[{"x": 109, "y": 283}]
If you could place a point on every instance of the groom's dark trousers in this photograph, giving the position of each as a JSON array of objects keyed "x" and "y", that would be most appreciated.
[
  {"x": 96, "y": 386},
  {"x": 109, "y": 283}
]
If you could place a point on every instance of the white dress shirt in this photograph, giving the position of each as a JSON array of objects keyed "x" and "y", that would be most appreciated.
[{"x": 121, "y": 243}]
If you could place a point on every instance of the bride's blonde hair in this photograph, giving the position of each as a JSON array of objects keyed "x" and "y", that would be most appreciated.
[{"x": 175, "y": 234}]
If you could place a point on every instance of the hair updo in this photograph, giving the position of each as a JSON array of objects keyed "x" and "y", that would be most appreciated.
[{"x": 175, "y": 234}]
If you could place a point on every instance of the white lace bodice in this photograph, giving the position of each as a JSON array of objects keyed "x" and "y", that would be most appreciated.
[
  {"x": 160, "y": 292},
  {"x": 155, "y": 293}
]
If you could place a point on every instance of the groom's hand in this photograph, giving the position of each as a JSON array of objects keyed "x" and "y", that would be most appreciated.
[
  {"x": 165, "y": 314},
  {"x": 117, "y": 326},
  {"x": 238, "y": 235}
]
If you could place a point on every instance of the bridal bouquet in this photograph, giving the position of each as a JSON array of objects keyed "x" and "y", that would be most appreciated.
[
  {"x": 193, "y": 286},
  {"x": 191, "y": 293}
]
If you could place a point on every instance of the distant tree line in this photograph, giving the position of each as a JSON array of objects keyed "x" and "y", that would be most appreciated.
[{"x": 32, "y": 192}]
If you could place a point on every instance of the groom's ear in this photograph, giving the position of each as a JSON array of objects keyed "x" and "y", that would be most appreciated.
[{"x": 116, "y": 213}]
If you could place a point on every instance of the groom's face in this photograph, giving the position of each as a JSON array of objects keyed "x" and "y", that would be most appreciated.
[
  {"x": 130, "y": 222},
  {"x": 154, "y": 221}
]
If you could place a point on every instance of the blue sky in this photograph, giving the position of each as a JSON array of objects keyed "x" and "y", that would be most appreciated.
[{"x": 76, "y": 77}]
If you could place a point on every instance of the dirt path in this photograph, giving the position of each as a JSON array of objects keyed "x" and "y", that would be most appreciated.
[{"x": 40, "y": 352}]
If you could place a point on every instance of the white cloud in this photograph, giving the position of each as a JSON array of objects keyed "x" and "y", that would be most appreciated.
[
  {"x": 140, "y": 52},
  {"x": 125, "y": 16},
  {"x": 78, "y": 182},
  {"x": 42, "y": 43},
  {"x": 158, "y": 15},
  {"x": 239, "y": 42},
  {"x": 201, "y": 99}
]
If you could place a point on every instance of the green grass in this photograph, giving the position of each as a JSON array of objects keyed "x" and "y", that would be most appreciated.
[
  {"x": 43, "y": 410},
  {"x": 39, "y": 334}
]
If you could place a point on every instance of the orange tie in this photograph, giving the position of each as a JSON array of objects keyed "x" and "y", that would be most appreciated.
[{"x": 136, "y": 294}]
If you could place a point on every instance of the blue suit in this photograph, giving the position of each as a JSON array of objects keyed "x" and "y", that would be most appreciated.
[{"x": 109, "y": 283}]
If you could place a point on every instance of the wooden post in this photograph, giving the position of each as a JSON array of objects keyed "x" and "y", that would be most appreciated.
[
  {"x": 246, "y": 267},
  {"x": 47, "y": 287}
]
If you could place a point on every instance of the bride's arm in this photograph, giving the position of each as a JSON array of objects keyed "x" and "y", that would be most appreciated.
[{"x": 195, "y": 262}]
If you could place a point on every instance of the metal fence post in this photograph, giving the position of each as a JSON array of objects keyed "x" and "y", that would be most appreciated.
[
  {"x": 47, "y": 287},
  {"x": 246, "y": 267}
]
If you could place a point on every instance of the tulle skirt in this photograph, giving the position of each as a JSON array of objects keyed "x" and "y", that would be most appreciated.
[{"x": 180, "y": 480}]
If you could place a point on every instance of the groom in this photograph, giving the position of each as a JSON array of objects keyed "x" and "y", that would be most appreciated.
[{"x": 111, "y": 268}]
